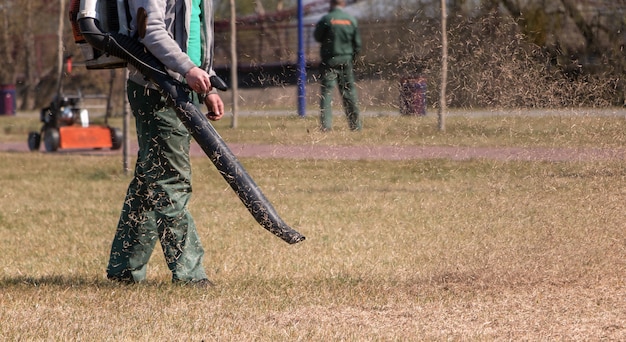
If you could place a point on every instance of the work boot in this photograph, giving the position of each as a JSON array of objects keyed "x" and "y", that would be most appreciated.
[
  {"x": 199, "y": 283},
  {"x": 125, "y": 278}
]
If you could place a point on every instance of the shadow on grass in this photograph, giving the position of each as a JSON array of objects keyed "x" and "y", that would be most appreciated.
[{"x": 69, "y": 281}]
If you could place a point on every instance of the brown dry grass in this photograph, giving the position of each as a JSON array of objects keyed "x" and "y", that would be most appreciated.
[{"x": 413, "y": 250}]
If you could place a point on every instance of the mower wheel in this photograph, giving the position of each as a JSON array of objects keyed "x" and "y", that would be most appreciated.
[
  {"x": 34, "y": 141},
  {"x": 117, "y": 138},
  {"x": 51, "y": 139}
]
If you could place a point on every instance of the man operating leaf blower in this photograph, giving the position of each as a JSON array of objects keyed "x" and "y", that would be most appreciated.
[
  {"x": 156, "y": 202},
  {"x": 168, "y": 47}
]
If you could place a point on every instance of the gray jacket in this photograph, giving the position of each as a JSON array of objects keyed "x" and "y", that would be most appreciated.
[{"x": 166, "y": 35}]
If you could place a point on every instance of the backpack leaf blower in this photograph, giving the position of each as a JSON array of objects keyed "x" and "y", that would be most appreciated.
[{"x": 100, "y": 29}]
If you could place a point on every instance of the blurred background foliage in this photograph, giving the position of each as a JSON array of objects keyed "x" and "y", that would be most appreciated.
[{"x": 503, "y": 53}]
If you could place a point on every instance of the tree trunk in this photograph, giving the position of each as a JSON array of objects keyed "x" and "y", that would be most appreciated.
[
  {"x": 444, "y": 66},
  {"x": 6, "y": 76},
  {"x": 31, "y": 72},
  {"x": 60, "y": 51},
  {"x": 233, "y": 63}
]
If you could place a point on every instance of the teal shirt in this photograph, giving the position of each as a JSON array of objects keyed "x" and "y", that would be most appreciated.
[{"x": 194, "y": 44}]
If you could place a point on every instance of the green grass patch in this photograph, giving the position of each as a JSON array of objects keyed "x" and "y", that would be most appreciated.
[{"x": 562, "y": 130}]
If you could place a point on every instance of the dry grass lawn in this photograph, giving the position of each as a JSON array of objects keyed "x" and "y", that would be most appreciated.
[{"x": 395, "y": 250}]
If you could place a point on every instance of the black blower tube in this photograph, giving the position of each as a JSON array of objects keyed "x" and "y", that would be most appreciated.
[{"x": 204, "y": 133}]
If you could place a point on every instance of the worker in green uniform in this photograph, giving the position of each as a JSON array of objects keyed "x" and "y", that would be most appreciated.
[
  {"x": 179, "y": 34},
  {"x": 340, "y": 40}
]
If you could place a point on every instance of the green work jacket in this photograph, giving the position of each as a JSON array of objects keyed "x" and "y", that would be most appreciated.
[{"x": 338, "y": 33}]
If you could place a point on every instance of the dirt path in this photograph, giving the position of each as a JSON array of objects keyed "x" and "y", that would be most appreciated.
[
  {"x": 425, "y": 152},
  {"x": 388, "y": 152}
]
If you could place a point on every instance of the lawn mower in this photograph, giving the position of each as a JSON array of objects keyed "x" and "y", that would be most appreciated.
[{"x": 66, "y": 126}]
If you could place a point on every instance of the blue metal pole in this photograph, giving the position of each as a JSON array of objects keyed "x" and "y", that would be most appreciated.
[{"x": 301, "y": 62}]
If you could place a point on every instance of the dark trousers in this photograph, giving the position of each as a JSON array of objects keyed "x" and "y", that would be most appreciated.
[
  {"x": 342, "y": 76},
  {"x": 155, "y": 208}
]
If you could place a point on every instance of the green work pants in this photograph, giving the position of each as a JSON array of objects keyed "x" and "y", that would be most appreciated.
[
  {"x": 156, "y": 202},
  {"x": 340, "y": 75}
]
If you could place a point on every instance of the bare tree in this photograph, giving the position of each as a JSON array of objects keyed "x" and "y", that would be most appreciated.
[
  {"x": 444, "y": 66},
  {"x": 7, "y": 75},
  {"x": 29, "y": 44},
  {"x": 233, "y": 63},
  {"x": 60, "y": 52}
]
